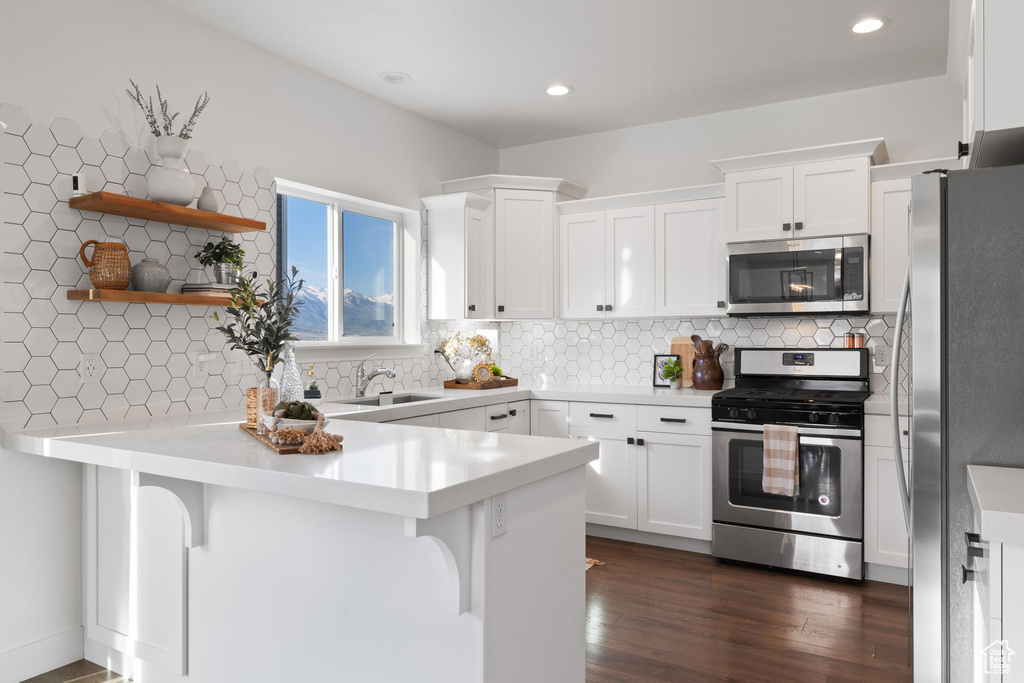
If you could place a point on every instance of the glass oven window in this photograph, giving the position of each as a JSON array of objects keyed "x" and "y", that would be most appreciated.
[
  {"x": 783, "y": 277},
  {"x": 820, "y": 488}
]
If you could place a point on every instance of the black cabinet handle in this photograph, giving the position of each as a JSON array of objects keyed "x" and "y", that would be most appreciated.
[
  {"x": 600, "y": 307},
  {"x": 967, "y": 574},
  {"x": 499, "y": 417},
  {"x": 906, "y": 432},
  {"x": 785, "y": 227},
  {"x": 962, "y": 150},
  {"x": 607, "y": 307},
  {"x": 630, "y": 440},
  {"x": 971, "y": 538},
  {"x": 721, "y": 304},
  {"x": 501, "y": 309},
  {"x": 973, "y": 550},
  {"x": 639, "y": 442},
  {"x": 676, "y": 420},
  {"x": 799, "y": 225},
  {"x": 512, "y": 413},
  {"x": 472, "y": 307},
  {"x": 606, "y": 416}
]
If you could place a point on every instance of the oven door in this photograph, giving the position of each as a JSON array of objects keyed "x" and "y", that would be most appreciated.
[
  {"x": 829, "y": 499},
  {"x": 826, "y": 275}
]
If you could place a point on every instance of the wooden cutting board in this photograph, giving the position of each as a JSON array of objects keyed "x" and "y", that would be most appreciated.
[{"x": 684, "y": 348}]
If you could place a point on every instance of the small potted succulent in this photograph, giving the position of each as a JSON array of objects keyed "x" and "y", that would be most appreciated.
[
  {"x": 225, "y": 257},
  {"x": 672, "y": 372}
]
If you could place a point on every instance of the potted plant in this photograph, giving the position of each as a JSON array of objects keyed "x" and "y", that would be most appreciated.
[
  {"x": 672, "y": 372},
  {"x": 225, "y": 257},
  {"x": 261, "y": 316}
]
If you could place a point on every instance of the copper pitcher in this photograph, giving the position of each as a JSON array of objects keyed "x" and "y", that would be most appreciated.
[
  {"x": 707, "y": 372},
  {"x": 110, "y": 267}
]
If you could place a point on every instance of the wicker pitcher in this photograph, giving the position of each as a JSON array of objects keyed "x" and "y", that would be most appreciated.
[{"x": 110, "y": 267}]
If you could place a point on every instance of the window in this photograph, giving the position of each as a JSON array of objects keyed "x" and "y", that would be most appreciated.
[{"x": 350, "y": 254}]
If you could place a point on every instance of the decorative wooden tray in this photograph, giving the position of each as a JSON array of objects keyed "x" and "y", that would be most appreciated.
[
  {"x": 493, "y": 383},
  {"x": 280, "y": 450}
]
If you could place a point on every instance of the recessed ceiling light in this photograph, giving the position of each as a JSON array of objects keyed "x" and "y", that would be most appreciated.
[
  {"x": 869, "y": 24},
  {"x": 394, "y": 77},
  {"x": 559, "y": 90}
]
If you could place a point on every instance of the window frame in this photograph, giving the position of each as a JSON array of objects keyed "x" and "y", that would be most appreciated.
[{"x": 406, "y": 342}]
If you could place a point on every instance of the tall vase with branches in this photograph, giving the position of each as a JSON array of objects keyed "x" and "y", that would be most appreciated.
[{"x": 259, "y": 323}]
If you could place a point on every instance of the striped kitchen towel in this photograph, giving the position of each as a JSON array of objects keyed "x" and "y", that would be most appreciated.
[{"x": 781, "y": 467}]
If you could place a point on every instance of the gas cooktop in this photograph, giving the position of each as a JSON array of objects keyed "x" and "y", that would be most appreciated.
[{"x": 791, "y": 395}]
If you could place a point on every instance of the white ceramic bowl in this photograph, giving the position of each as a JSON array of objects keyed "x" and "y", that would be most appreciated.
[{"x": 305, "y": 425}]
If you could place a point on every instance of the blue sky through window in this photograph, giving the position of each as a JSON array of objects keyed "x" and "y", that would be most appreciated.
[{"x": 307, "y": 239}]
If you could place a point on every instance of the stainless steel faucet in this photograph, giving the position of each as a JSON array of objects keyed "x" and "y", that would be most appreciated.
[{"x": 363, "y": 380}]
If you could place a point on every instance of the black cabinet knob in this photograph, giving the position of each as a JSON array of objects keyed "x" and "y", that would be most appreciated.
[
  {"x": 799, "y": 225},
  {"x": 785, "y": 227},
  {"x": 721, "y": 304},
  {"x": 600, "y": 307},
  {"x": 630, "y": 440},
  {"x": 501, "y": 309},
  {"x": 512, "y": 413},
  {"x": 639, "y": 442},
  {"x": 472, "y": 307},
  {"x": 607, "y": 307},
  {"x": 962, "y": 150}
]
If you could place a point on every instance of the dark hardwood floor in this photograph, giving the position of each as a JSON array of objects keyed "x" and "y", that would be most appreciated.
[{"x": 655, "y": 614}]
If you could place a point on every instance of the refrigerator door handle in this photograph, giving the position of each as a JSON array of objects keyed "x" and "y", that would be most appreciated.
[{"x": 894, "y": 385}]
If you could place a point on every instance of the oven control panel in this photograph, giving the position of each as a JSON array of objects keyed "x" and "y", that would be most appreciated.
[{"x": 798, "y": 359}]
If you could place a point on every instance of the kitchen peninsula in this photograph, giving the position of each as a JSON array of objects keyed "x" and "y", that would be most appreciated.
[{"x": 414, "y": 554}]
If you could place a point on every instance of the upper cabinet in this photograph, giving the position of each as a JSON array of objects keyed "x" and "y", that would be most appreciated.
[
  {"x": 491, "y": 247},
  {"x": 809, "y": 192},
  {"x": 890, "y": 242},
  {"x": 690, "y": 269}
]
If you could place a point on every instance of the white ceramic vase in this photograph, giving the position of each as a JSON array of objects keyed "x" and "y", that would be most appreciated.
[
  {"x": 677, "y": 383},
  {"x": 171, "y": 182}
]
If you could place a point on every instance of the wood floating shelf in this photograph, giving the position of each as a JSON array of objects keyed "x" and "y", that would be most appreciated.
[
  {"x": 125, "y": 296},
  {"x": 146, "y": 209}
]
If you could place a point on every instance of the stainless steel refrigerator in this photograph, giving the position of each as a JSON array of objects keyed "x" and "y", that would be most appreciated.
[{"x": 967, "y": 308}]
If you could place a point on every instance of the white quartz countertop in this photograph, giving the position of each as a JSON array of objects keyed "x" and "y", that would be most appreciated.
[
  {"x": 998, "y": 503},
  {"x": 879, "y": 404},
  {"x": 404, "y": 470},
  {"x": 460, "y": 399}
]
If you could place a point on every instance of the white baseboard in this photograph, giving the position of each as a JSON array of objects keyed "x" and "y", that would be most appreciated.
[
  {"x": 41, "y": 656},
  {"x": 886, "y": 574},
  {"x": 692, "y": 545},
  {"x": 106, "y": 656}
]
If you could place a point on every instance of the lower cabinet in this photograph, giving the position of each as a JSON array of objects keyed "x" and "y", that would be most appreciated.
[
  {"x": 421, "y": 421},
  {"x": 886, "y": 539},
  {"x": 549, "y": 418},
  {"x": 674, "y": 484},
  {"x": 472, "y": 419},
  {"x": 611, "y": 479},
  {"x": 518, "y": 418}
]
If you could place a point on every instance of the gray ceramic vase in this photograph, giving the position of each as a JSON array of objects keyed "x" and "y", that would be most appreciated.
[
  {"x": 207, "y": 200},
  {"x": 150, "y": 276}
]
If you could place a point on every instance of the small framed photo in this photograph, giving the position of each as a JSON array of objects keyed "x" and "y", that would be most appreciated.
[{"x": 659, "y": 363}]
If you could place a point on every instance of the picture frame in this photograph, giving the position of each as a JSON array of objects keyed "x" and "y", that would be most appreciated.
[{"x": 659, "y": 361}]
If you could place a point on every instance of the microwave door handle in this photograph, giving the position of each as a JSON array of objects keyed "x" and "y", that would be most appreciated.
[{"x": 839, "y": 258}]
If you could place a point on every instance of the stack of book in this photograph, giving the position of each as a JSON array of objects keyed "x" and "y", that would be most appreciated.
[{"x": 206, "y": 288}]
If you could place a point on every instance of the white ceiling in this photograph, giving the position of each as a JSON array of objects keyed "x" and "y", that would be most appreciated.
[{"x": 481, "y": 66}]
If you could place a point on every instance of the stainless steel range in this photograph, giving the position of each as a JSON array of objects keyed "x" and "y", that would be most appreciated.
[{"x": 820, "y": 527}]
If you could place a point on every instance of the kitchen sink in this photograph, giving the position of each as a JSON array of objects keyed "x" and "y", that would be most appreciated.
[{"x": 390, "y": 401}]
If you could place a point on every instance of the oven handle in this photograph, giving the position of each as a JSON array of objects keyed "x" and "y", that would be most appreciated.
[{"x": 801, "y": 431}]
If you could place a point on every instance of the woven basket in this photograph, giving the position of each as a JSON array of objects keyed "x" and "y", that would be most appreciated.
[{"x": 110, "y": 267}]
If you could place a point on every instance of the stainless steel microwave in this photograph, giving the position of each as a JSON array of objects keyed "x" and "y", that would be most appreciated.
[{"x": 814, "y": 276}]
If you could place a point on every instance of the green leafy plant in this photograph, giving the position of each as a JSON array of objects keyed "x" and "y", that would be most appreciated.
[
  {"x": 261, "y": 317},
  {"x": 224, "y": 251},
  {"x": 672, "y": 370}
]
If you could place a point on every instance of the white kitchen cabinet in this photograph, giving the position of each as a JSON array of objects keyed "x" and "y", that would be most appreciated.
[
  {"x": 519, "y": 418},
  {"x": 689, "y": 272},
  {"x": 611, "y": 479},
  {"x": 832, "y": 198},
  {"x": 472, "y": 419},
  {"x": 421, "y": 421},
  {"x": 629, "y": 273},
  {"x": 582, "y": 264},
  {"x": 607, "y": 263},
  {"x": 497, "y": 417},
  {"x": 549, "y": 418},
  {"x": 886, "y": 539},
  {"x": 524, "y": 249},
  {"x": 479, "y": 264},
  {"x": 890, "y": 242},
  {"x": 674, "y": 484},
  {"x": 758, "y": 204},
  {"x": 460, "y": 239}
]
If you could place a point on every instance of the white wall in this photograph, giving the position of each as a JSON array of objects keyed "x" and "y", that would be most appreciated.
[
  {"x": 74, "y": 59},
  {"x": 918, "y": 119}
]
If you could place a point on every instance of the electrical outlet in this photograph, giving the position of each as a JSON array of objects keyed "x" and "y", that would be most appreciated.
[
  {"x": 201, "y": 363},
  {"x": 882, "y": 356},
  {"x": 89, "y": 368},
  {"x": 499, "y": 514}
]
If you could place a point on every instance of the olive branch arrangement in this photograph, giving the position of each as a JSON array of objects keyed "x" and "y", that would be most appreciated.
[
  {"x": 165, "y": 126},
  {"x": 261, "y": 317}
]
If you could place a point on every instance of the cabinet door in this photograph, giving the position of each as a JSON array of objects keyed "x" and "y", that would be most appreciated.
[
  {"x": 472, "y": 419},
  {"x": 885, "y": 530},
  {"x": 497, "y": 417},
  {"x": 689, "y": 270},
  {"x": 832, "y": 197},
  {"x": 758, "y": 203},
  {"x": 549, "y": 418},
  {"x": 674, "y": 484},
  {"x": 524, "y": 245},
  {"x": 519, "y": 417},
  {"x": 421, "y": 421},
  {"x": 582, "y": 258},
  {"x": 611, "y": 479},
  {"x": 479, "y": 264},
  {"x": 890, "y": 242},
  {"x": 629, "y": 272}
]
